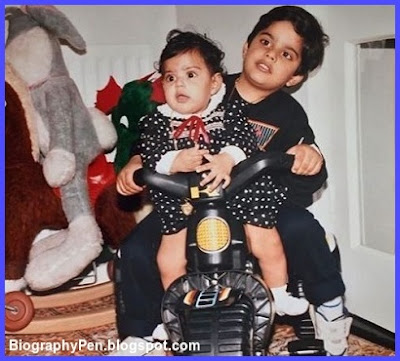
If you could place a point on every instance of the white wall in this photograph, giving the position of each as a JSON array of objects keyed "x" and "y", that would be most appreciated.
[
  {"x": 229, "y": 27},
  {"x": 129, "y": 24}
]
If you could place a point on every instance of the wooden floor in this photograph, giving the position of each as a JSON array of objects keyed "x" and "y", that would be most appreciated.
[{"x": 100, "y": 340}]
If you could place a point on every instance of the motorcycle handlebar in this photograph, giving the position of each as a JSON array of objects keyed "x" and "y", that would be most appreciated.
[
  {"x": 242, "y": 174},
  {"x": 175, "y": 184},
  {"x": 251, "y": 168}
]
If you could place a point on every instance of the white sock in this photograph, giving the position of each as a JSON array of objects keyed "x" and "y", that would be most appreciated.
[
  {"x": 287, "y": 304},
  {"x": 160, "y": 333},
  {"x": 331, "y": 310}
]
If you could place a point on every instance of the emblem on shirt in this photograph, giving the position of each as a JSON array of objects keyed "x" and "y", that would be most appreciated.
[{"x": 264, "y": 132}]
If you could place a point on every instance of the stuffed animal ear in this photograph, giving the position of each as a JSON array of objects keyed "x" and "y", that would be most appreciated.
[
  {"x": 56, "y": 22},
  {"x": 10, "y": 10}
]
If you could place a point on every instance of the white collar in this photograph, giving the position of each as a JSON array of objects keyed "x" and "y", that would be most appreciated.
[{"x": 216, "y": 99}]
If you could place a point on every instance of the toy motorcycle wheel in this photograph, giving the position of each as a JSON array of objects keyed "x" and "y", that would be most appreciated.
[
  {"x": 238, "y": 322},
  {"x": 222, "y": 331},
  {"x": 19, "y": 311}
]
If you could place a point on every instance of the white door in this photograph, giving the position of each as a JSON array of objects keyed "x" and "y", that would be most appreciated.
[
  {"x": 370, "y": 120},
  {"x": 355, "y": 95}
]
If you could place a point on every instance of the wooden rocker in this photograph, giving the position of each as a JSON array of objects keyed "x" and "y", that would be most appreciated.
[{"x": 20, "y": 310}]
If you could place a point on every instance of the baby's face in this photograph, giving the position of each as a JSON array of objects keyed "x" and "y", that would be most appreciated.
[{"x": 188, "y": 83}]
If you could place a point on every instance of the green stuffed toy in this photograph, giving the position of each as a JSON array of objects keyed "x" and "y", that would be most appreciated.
[
  {"x": 134, "y": 103},
  {"x": 138, "y": 98}
]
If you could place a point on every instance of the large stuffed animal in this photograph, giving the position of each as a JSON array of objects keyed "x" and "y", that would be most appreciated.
[
  {"x": 69, "y": 137},
  {"x": 32, "y": 205}
]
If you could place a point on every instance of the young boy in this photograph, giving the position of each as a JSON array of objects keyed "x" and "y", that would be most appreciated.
[
  {"x": 284, "y": 46},
  {"x": 192, "y": 125}
]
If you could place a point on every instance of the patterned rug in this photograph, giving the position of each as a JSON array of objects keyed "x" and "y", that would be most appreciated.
[{"x": 101, "y": 340}]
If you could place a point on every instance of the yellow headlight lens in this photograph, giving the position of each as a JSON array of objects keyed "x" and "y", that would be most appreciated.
[{"x": 213, "y": 234}]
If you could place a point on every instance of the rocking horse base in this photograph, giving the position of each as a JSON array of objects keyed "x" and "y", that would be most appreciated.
[
  {"x": 61, "y": 322},
  {"x": 92, "y": 285}
]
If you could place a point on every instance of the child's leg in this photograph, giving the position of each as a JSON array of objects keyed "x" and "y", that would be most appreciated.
[
  {"x": 265, "y": 244},
  {"x": 171, "y": 257}
]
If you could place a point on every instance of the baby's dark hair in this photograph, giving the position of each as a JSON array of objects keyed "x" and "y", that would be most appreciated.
[
  {"x": 305, "y": 25},
  {"x": 180, "y": 42}
]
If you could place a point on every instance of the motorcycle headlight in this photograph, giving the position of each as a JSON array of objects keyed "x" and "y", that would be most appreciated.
[{"x": 213, "y": 234}]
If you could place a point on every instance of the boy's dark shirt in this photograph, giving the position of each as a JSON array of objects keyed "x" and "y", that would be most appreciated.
[{"x": 280, "y": 123}]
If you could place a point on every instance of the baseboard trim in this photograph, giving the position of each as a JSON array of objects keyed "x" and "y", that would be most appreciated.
[{"x": 371, "y": 332}]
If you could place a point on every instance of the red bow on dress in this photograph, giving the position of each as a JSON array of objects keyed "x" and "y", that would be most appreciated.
[{"x": 196, "y": 128}]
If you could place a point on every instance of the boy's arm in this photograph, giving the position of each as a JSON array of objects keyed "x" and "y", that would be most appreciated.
[
  {"x": 309, "y": 171},
  {"x": 308, "y": 159},
  {"x": 301, "y": 187},
  {"x": 125, "y": 184}
]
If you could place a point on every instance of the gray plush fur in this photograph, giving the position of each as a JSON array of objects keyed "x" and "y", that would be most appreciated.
[{"x": 69, "y": 135}]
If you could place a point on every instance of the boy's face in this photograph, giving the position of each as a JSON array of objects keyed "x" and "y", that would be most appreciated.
[
  {"x": 188, "y": 83},
  {"x": 272, "y": 58}
]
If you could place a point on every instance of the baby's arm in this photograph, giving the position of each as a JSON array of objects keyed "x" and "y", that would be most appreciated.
[
  {"x": 239, "y": 142},
  {"x": 185, "y": 160},
  {"x": 154, "y": 142},
  {"x": 220, "y": 166},
  {"x": 219, "y": 169}
]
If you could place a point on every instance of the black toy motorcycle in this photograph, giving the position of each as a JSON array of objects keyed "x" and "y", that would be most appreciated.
[{"x": 221, "y": 303}]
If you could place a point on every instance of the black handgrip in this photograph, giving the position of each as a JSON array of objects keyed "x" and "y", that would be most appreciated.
[
  {"x": 176, "y": 184},
  {"x": 138, "y": 177}
]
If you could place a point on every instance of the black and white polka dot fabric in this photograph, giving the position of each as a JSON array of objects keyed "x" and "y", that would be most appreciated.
[{"x": 257, "y": 205}]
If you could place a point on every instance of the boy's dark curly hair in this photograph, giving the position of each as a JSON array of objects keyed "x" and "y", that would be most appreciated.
[
  {"x": 305, "y": 25},
  {"x": 179, "y": 42}
]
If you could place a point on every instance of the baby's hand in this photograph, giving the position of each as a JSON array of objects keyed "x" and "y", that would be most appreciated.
[
  {"x": 219, "y": 167},
  {"x": 188, "y": 160}
]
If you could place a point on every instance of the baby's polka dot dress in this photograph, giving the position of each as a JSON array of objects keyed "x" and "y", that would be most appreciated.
[{"x": 258, "y": 204}]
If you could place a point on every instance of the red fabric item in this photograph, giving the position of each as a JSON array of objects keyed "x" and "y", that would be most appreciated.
[
  {"x": 107, "y": 98},
  {"x": 157, "y": 94},
  {"x": 100, "y": 175},
  {"x": 196, "y": 128}
]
